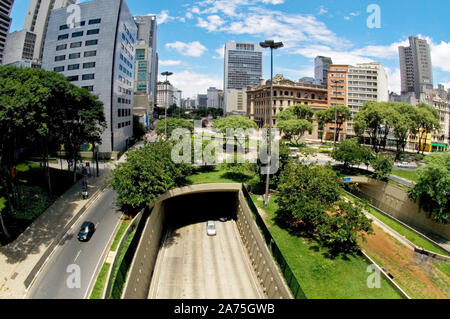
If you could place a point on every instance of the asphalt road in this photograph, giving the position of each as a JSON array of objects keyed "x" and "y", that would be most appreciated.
[
  {"x": 193, "y": 265},
  {"x": 58, "y": 279}
]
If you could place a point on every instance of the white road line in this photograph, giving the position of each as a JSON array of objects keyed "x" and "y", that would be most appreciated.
[{"x": 78, "y": 255}]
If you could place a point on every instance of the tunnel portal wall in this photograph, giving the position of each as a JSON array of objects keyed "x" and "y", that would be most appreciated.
[{"x": 141, "y": 270}]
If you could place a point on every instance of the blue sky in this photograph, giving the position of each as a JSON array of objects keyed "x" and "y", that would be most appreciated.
[{"x": 192, "y": 33}]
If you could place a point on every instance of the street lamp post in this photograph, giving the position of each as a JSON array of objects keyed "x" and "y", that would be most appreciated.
[
  {"x": 166, "y": 74},
  {"x": 273, "y": 46}
]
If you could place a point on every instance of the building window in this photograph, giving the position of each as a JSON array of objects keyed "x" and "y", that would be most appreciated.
[
  {"x": 77, "y": 34},
  {"x": 59, "y": 69},
  {"x": 75, "y": 45},
  {"x": 140, "y": 54},
  {"x": 74, "y": 56},
  {"x": 91, "y": 42},
  {"x": 61, "y": 47},
  {"x": 90, "y": 88},
  {"x": 93, "y": 31},
  {"x": 63, "y": 27},
  {"x": 60, "y": 58},
  {"x": 88, "y": 65},
  {"x": 95, "y": 21},
  {"x": 63, "y": 36},
  {"x": 90, "y": 53},
  {"x": 88, "y": 76},
  {"x": 73, "y": 67},
  {"x": 72, "y": 78}
]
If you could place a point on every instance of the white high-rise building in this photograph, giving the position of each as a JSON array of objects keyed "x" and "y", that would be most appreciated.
[
  {"x": 19, "y": 49},
  {"x": 98, "y": 55},
  {"x": 37, "y": 18},
  {"x": 166, "y": 95},
  {"x": 213, "y": 97},
  {"x": 5, "y": 23},
  {"x": 366, "y": 82},
  {"x": 242, "y": 68}
]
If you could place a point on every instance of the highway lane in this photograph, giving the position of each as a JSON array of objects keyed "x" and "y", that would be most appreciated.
[
  {"x": 52, "y": 282},
  {"x": 193, "y": 265}
]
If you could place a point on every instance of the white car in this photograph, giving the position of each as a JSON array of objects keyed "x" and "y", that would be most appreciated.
[
  {"x": 403, "y": 164},
  {"x": 211, "y": 228}
]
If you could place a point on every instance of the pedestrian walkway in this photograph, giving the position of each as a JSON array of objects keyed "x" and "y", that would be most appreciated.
[{"x": 21, "y": 260}]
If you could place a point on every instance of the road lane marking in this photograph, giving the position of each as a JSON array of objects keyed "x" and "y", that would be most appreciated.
[{"x": 78, "y": 255}]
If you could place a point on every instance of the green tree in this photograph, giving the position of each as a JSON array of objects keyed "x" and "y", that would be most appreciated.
[
  {"x": 383, "y": 166},
  {"x": 322, "y": 120},
  {"x": 403, "y": 115},
  {"x": 343, "y": 113},
  {"x": 138, "y": 128},
  {"x": 148, "y": 173},
  {"x": 2, "y": 207},
  {"x": 173, "y": 124},
  {"x": 234, "y": 122},
  {"x": 370, "y": 120},
  {"x": 433, "y": 188},
  {"x": 350, "y": 153},
  {"x": 295, "y": 121},
  {"x": 427, "y": 120}
]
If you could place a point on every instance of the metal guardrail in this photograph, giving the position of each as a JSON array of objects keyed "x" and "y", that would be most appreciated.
[{"x": 286, "y": 270}]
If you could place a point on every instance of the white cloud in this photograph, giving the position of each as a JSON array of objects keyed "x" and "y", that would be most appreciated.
[
  {"x": 192, "y": 83},
  {"x": 164, "y": 17},
  {"x": 394, "y": 79},
  {"x": 189, "y": 15},
  {"x": 195, "y": 49},
  {"x": 322, "y": 10},
  {"x": 440, "y": 55},
  {"x": 169, "y": 62},
  {"x": 211, "y": 23},
  {"x": 355, "y": 14},
  {"x": 221, "y": 53},
  {"x": 295, "y": 74}
]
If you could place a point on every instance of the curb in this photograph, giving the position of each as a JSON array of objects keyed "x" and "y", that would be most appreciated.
[{"x": 53, "y": 246}]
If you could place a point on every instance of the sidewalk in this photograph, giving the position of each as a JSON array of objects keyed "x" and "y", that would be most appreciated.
[{"x": 21, "y": 260}]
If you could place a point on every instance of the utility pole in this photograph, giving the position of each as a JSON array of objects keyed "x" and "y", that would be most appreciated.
[{"x": 273, "y": 46}]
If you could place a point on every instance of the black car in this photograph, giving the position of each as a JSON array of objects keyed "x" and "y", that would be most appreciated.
[{"x": 86, "y": 231}]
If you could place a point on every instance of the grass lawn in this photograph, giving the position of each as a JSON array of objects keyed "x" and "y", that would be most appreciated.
[
  {"x": 120, "y": 232},
  {"x": 409, "y": 175},
  {"x": 215, "y": 176},
  {"x": 402, "y": 230},
  {"x": 344, "y": 277},
  {"x": 97, "y": 292},
  {"x": 122, "y": 253}
]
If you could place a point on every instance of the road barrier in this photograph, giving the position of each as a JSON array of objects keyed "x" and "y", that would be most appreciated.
[{"x": 285, "y": 269}]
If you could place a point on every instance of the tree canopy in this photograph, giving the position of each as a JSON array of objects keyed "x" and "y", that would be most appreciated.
[
  {"x": 173, "y": 124},
  {"x": 234, "y": 122},
  {"x": 295, "y": 121},
  {"x": 433, "y": 188}
]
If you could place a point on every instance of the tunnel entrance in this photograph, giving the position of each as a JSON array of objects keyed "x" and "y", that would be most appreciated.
[{"x": 196, "y": 208}]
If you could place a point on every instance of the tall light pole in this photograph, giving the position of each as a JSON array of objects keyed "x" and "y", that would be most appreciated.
[
  {"x": 273, "y": 46},
  {"x": 166, "y": 74},
  {"x": 335, "y": 124}
]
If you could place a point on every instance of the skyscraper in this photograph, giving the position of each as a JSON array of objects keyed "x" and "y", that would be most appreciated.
[
  {"x": 416, "y": 67},
  {"x": 147, "y": 58},
  {"x": 98, "y": 55},
  {"x": 37, "y": 19},
  {"x": 321, "y": 67},
  {"x": 5, "y": 23},
  {"x": 243, "y": 68}
]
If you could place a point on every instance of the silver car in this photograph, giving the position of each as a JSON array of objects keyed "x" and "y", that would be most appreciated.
[{"x": 211, "y": 228}]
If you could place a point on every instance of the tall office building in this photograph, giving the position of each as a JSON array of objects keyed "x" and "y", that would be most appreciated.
[
  {"x": 19, "y": 49},
  {"x": 5, "y": 23},
  {"x": 213, "y": 97},
  {"x": 166, "y": 95},
  {"x": 242, "y": 68},
  {"x": 147, "y": 58},
  {"x": 98, "y": 55},
  {"x": 37, "y": 19},
  {"x": 416, "y": 67},
  {"x": 321, "y": 67},
  {"x": 366, "y": 82}
]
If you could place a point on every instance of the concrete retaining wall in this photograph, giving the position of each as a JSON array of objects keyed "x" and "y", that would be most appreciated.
[
  {"x": 269, "y": 276},
  {"x": 141, "y": 270},
  {"x": 395, "y": 201}
]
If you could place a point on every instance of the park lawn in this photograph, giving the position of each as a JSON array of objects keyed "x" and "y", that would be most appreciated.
[
  {"x": 123, "y": 227},
  {"x": 402, "y": 230},
  {"x": 409, "y": 175},
  {"x": 97, "y": 292},
  {"x": 344, "y": 277},
  {"x": 215, "y": 176}
]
